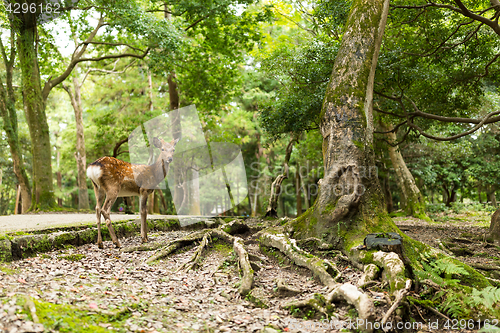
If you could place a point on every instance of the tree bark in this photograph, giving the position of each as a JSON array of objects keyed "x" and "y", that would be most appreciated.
[
  {"x": 173, "y": 94},
  {"x": 491, "y": 195},
  {"x": 388, "y": 195},
  {"x": 298, "y": 190},
  {"x": 350, "y": 198},
  {"x": 9, "y": 115},
  {"x": 495, "y": 227},
  {"x": 80, "y": 154},
  {"x": 34, "y": 109},
  {"x": 272, "y": 206},
  {"x": 412, "y": 201},
  {"x": 59, "y": 185}
]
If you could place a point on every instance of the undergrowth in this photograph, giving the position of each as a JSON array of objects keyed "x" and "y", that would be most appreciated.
[{"x": 455, "y": 299}]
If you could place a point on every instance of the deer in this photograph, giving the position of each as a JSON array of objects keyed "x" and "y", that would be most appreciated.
[{"x": 117, "y": 178}]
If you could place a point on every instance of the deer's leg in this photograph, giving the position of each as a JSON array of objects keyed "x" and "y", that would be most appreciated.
[
  {"x": 144, "y": 213},
  {"x": 98, "y": 198},
  {"x": 106, "y": 209}
]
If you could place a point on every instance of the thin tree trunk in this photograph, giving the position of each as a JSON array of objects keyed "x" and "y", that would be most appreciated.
[
  {"x": 18, "y": 195},
  {"x": 412, "y": 201},
  {"x": 492, "y": 198},
  {"x": 9, "y": 115},
  {"x": 34, "y": 109},
  {"x": 194, "y": 193},
  {"x": 173, "y": 94},
  {"x": 495, "y": 227},
  {"x": 298, "y": 190},
  {"x": 163, "y": 201},
  {"x": 150, "y": 82},
  {"x": 276, "y": 185},
  {"x": 59, "y": 185},
  {"x": 80, "y": 154},
  {"x": 388, "y": 195}
]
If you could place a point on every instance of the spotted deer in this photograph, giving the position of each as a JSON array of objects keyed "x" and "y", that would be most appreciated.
[{"x": 117, "y": 178}]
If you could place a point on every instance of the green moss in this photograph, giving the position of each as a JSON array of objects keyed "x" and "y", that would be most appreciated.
[
  {"x": 329, "y": 208},
  {"x": 7, "y": 270},
  {"x": 223, "y": 248},
  {"x": 256, "y": 300},
  {"x": 73, "y": 257},
  {"x": 67, "y": 318},
  {"x": 398, "y": 213},
  {"x": 359, "y": 144}
]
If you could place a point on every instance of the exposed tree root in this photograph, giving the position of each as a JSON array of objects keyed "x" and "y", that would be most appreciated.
[
  {"x": 284, "y": 290},
  {"x": 177, "y": 244},
  {"x": 363, "y": 304},
  {"x": 318, "y": 243},
  {"x": 393, "y": 269},
  {"x": 400, "y": 294},
  {"x": 323, "y": 269},
  {"x": 206, "y": 237},
  {"x": 143, "y": 247},
  {"x": 370, "y": 274},
  {"x": 195, "y": 259},
  {"x": 317, "y": 302}
]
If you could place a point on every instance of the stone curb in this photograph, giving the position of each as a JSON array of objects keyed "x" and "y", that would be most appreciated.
[{"x": 19, "y": 247}]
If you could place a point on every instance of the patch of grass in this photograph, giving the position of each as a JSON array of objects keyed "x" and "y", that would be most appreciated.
[
  {"x": 73, "y": 257},
  {"x": 68, "y": 318},
  {"x": 7, "y": 270}
]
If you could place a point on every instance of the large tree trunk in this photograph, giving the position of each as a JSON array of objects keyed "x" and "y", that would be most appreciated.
[
  {"x": 350, "y": 197},
  {"x": 9, "y": 115},
  {"x": 412, "y": 201},
  {"x": 34, "y": 109},
  {"x": 80, "y": 154}
]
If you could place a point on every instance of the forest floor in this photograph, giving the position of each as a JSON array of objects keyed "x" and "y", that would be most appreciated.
[{"x": 85, "y": 289}]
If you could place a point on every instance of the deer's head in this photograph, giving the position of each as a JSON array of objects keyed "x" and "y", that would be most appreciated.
[{"x": 166, "y": 149}]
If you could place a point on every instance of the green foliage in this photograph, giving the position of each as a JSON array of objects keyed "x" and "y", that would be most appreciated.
[
  {"x": 440, "y": 270},
  {"x": 299, "y": 52},
  {"x": 454, "y": 298}
]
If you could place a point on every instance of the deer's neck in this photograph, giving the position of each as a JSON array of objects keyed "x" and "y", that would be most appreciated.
[{"x": 159, "y": 169}]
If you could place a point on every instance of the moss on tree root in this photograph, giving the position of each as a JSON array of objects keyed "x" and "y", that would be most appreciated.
[{"x": 26, "y": 245}]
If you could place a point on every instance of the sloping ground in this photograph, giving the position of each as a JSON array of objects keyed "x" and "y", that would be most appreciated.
[
  {"x": 463, "y": 239},
  {"x": 84, "y": 289}
]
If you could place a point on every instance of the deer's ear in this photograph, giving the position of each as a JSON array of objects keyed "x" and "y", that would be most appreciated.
[
  {"x": 174, "y": 142},
  {"x": 156, "y": 142}
]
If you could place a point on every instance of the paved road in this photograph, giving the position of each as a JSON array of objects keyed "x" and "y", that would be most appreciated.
[{"x": 44, "y": 221}]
